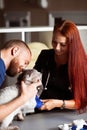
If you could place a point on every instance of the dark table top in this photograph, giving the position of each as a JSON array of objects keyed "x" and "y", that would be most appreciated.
[{"x": 49, "y": 120}]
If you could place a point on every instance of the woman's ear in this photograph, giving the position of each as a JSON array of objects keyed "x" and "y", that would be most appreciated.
[{"x": 15, "y": 51}]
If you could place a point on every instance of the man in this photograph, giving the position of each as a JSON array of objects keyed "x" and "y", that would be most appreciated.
[{"x": 14, "y": 57}]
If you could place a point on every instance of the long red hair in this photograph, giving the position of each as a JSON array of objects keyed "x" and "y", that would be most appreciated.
[{"x": 77, "y": 62}]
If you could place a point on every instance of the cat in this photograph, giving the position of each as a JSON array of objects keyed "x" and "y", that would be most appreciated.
[{"x": 11, "y": 92}]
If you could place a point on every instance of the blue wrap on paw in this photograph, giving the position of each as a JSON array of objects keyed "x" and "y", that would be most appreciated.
[{"x": 39, "y": 103}]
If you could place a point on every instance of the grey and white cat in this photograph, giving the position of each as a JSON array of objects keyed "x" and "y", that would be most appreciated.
[{"x": 11, "y": 92}]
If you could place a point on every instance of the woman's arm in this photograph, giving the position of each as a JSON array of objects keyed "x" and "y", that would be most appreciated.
[{"x": 50, "y": 104}]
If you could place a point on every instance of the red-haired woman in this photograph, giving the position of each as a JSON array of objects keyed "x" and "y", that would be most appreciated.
[{"x": 64, "y": 70}]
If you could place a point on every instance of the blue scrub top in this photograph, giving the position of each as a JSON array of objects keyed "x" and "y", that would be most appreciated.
[{"x": 2, "y": 71}]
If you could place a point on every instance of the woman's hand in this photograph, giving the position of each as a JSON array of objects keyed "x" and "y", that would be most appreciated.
[{"x": 50, "y": 104}]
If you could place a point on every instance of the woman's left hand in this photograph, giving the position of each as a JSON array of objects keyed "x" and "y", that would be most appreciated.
[{"x": 49, "y": 104}]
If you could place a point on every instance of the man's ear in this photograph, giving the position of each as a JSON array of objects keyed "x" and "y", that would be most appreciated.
[{"x": 15, "y": 51}]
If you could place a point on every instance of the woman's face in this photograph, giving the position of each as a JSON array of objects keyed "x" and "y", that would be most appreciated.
[{"x": 59, "y": 43}]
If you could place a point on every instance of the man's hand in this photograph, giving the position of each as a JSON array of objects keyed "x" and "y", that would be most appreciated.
[{"x": 28, "y": 92}]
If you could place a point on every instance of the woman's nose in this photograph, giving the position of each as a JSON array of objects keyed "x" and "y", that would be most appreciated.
[{"x": 58, "y": 46}]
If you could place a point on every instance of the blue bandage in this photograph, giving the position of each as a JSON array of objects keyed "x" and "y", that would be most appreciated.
[{"x": 39, "y": 103}]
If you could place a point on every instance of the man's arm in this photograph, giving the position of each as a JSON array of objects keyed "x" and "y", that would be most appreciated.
[{"x": 26, "y": 93}]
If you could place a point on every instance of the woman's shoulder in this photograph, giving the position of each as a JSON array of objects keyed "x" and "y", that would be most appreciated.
[
  {"x": 47, "y": 52},
  {"x": 45, "y": 55}
]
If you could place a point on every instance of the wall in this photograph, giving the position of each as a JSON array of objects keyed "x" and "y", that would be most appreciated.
[
  {"x": 68, "y": 5},
  {"x": 40, "y": 16}
]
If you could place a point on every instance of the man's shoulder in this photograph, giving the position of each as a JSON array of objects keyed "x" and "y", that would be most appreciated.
[
  {"x": 2, "y": 63},
  {"x": 2, "y": 71}
]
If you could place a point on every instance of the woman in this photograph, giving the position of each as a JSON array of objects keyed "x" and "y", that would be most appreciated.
[{"x": 64, "y": 70}]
